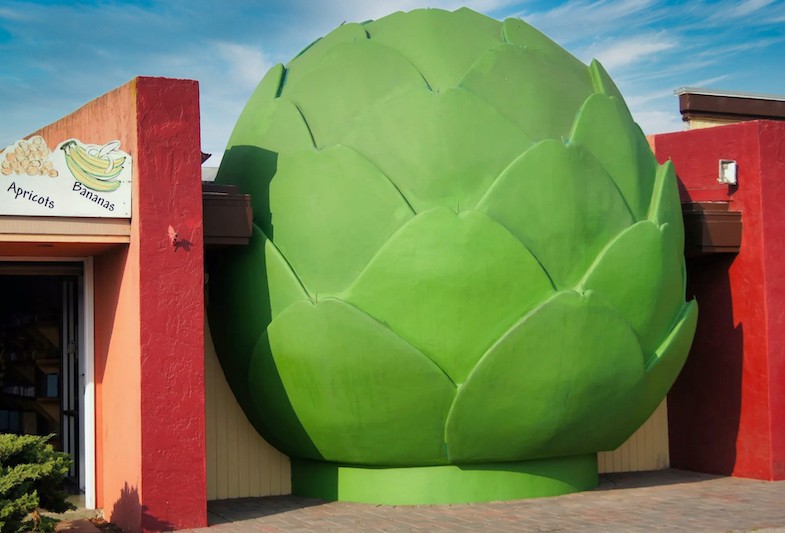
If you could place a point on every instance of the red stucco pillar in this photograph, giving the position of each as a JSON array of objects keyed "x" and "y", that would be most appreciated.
[
  {"x": 727, "y": 409},
  {"x": 171, "y": 290}
]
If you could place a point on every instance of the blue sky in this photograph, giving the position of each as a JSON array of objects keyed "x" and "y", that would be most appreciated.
[{"x": 58, "y": 55}]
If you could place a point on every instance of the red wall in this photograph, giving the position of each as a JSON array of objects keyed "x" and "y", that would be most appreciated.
[
  {"x": 727, "y": 409},
  {"x": 171, "y": 291}
]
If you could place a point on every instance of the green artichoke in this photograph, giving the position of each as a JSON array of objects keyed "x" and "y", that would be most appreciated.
[{"x": 464, "y": 251}]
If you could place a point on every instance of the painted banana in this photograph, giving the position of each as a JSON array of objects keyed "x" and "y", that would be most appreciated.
[
  {"x": 87, "y": 179},
  {"x": 95, "y": 162},
  {"x": 101, "y": 159},
  {"x": 95, "y": 171}
]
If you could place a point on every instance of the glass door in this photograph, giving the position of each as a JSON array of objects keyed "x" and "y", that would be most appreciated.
[
  {"x": 71, "y": 379},
  {"x": 42, "y": 381}
]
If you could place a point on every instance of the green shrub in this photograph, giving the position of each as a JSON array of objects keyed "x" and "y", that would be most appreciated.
[{"x": 31, "y": 479}]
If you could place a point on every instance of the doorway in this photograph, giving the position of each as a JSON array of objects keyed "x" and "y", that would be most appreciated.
[{"x": 42, "y": 370}]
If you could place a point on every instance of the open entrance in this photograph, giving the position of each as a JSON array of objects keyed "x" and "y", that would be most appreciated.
[{"x": 41, "y": 371}]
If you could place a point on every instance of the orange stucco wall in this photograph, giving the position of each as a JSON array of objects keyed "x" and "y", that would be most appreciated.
[
  {"x": 117, "y": 317},
  {"x": 118, "y": 423}
]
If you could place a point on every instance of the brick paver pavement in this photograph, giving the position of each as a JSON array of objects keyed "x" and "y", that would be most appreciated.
[{"x": 669, "y": 500}]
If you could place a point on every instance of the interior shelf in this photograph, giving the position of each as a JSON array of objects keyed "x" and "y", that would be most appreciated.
[{"x": 30, "y": 375}]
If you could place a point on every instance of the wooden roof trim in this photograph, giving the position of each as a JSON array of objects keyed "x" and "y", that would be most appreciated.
[
  {"x": 711, "y": 227},
  {"x": 228, "y": 217},
  {"x": 727, "y": 107}
]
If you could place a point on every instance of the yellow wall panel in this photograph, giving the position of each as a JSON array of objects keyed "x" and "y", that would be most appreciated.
[
  {"x": 240, "y": 463},
  {"x": 646, "y": 449}
]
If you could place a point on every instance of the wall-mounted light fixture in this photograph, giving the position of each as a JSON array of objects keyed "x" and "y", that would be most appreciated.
[{"x": 728, "y": 172}]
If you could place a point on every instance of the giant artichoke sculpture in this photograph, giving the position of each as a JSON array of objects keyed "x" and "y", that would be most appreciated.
[{"x": 465, "y": 259}]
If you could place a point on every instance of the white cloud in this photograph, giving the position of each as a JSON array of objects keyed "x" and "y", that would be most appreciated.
[
  {"x": 219, "y": 110},
  {"x": 642, "y": 101},
  {"x": 245, "y": 64},
  {"x": 579, "y": 19},
  {"x": 747, "y": 7},
  {"x": 319, "y": 18},
  {"x": 707, "y": 82},
  {"x": 13, "y": 14},
  {"x": 627, "y": 51},
  {"x": 723, "y": 51},
  {"x": 654, "y": 121},
  {"x": 486, "y": 6},
  {"x": 359, "y": 10},
  {"x": 732, "y": 13}
]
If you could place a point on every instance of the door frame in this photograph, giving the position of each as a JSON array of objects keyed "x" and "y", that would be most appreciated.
[{"x": 86, "y": 302}]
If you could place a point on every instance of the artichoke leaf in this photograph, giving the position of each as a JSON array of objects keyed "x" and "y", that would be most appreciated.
[
  {"x": 276, "y": 125},
  {"x": 558, "y": 201},
  {"x": 283, "y": 285},
  {"x": 304, "y": 63},
  {"x": 475, "y": 143},
  {"x": 441, "y": 45},
  {"x": 268, "y": 90},
  {"x": 513, "y": 79},
  {"x": 569, "y": 363},
  {"x": 451, "y": 284},
  {"x": 332, "y": 207},
  {"x": 660, "y": 373},
  {"x": 515, "y": 31},
  {"x": 665, "y": 203},
  {"x": 251, "y": 160},
  {"x": 639, "y": 273},
  {"x": 351, "y": 78},
  {"x": 671, "y": 354},
  {"x": 242, "y": 303},
  {"x": 602, "y": 82},
  {"x": 355, "y": 385},
  {"x": 605, "y": 128}
]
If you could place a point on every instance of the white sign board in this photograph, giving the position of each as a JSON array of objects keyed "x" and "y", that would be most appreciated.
[{"x": 72, "y": 179}]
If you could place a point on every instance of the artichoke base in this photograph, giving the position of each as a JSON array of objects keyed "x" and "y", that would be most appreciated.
[{"x": 445, "y": 484}]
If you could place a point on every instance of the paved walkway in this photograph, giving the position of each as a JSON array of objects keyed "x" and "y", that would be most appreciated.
[{"x": 670, "y": 500}]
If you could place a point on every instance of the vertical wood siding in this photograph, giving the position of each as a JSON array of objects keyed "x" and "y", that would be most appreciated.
[
  {"x": 646, "y": 449},
  {"x": 240, "y": 463}
]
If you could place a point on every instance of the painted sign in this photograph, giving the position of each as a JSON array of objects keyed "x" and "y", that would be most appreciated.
[{"x": 73, "y": 179}]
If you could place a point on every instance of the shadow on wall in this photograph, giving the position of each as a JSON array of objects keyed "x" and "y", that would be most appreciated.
[
  {"x": 704, "y": 405},
  {"x": 109, "y": 270},
  {"x": 252, "y": 169},
  {"x": 128, "y": 508}
]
